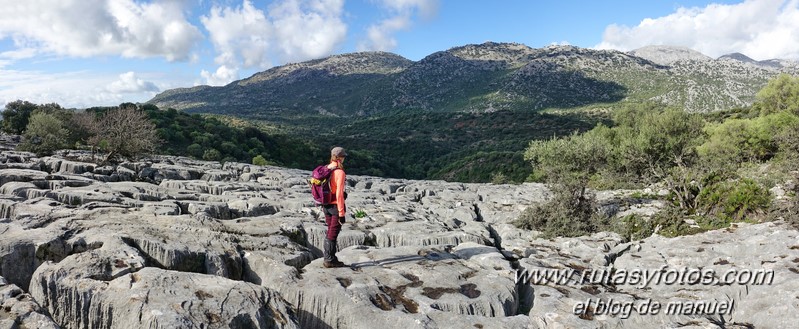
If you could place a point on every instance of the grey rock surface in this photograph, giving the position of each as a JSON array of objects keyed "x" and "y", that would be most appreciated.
[
  {"x": 19, "y": 310},
  {"x": 178, "y": 243}
]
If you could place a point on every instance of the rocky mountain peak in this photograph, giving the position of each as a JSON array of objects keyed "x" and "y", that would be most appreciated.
[
  {"x": 372, "y": 62},
  {"x": 737, "y": 57},
  {"x": 513, "y": 53},
  {"x": 668, "y": 55}
]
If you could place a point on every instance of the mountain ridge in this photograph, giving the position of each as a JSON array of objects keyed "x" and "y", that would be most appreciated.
[{"x": 486, "y": 77}]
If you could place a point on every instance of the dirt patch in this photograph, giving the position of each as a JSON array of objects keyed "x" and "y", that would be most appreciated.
[
  {"x": 563, "y": 291},
  {"x": 202, "y": 295},
  {"x": 593, "y": 290},
  {"x": 344, "y": 282},
  {"x": 212, "y": 317},
  {"x": 382, "y": 301},
  {"x": 398, "y": 296},
  {"x": 415, "y": 281},
  {"x": 436, "y": 293},
  {"x": 588, "y": 314},
  {"x": 470, "y": 290}
]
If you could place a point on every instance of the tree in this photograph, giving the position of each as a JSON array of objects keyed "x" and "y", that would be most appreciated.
[
  {"x": 570, "y": 161},
  {"x": 82, "y": 126},
  {"x": 568, "y": 164},
  {"x": 738, "y": 140},
  {"x": 780, "y": 94},
  {"x": 649, "y": 143},
  {"x": 212, "y": 155},
  {"x": 125, "y": 131},
  {"x": 44, "y": 134},
  {"x": 259, "y": 160},
  {"x": 195, "y": 150},
  {"x": 16, "y": 116}
]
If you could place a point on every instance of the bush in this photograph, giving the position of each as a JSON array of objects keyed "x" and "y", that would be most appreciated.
[
  {"x": 359, "y": 213},
  {"x": 499, "y": 178},
  {"x": 212, "y": 155},
  {"x": 44, "y": 134},
  {"x": 195, "y": 150},
  {"x": 633, "y": 227},
  {"x": 568, "y": 214},
  {"x": 731, "y": 201},
  {"x": 757, "y": 139},
  {"x": 780, "y": 94},
  {"x": 259, "y": 160},
  {"x": 670, "y": 222}
]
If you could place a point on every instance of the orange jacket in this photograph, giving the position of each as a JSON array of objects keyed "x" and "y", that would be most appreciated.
[{"x": 337, "y": 184}]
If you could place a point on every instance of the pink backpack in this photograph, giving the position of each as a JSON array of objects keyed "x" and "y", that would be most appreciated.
[{"x": 320, "y": 185}]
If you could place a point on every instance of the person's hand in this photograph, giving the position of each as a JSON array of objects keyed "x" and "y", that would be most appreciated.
[{"x": 342, "y": 219}]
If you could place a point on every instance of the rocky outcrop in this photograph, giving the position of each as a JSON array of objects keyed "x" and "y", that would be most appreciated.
[
  {"x": 179, "y": 243},
  {"x": 19, "y": 310}
]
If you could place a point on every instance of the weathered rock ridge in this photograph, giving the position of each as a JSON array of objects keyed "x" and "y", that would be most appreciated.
[{"x": 178, "y": 243}]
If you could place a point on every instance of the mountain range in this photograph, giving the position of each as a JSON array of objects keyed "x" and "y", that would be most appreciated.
[
  {"x": 485, "y": 78},
  {"x": 467, "y": 114}
]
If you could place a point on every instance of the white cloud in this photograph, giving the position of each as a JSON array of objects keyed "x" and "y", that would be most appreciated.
[
  {"x": 221, "y": 77},
  {"x": 86, "y": 28},
  {"x": 290, "y": 31},
  {"x": 306, "y": 29},
  {"x": 82, "y": 89},
  {"x": 380, "y": 36},
  {"x": 129, "y": 83},
  {"x": 18, "y": 54},
  {"x": 761, "y": 29}
]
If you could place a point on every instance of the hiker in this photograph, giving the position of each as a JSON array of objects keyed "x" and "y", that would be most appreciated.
[{"x": 335, "y": 210}]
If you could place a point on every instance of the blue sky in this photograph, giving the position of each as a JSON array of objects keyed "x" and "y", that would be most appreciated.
[{"x": 82, "y": 53}]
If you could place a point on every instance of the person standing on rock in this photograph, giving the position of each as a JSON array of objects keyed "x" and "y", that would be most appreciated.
[{"x": 336, "y": 210}]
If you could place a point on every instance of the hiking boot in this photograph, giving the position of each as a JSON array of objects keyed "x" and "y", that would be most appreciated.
[{"x": 332, "y": 264}]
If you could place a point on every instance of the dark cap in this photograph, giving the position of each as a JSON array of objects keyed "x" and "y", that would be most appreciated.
[{"x": 338, "y": 152}]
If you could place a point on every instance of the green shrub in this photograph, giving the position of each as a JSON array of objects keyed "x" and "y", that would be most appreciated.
[
  {"x": 731, "y": 201},
  {"x": 44, "y": 134},
  {"x": 195, "y": 150},
  {"x": 359, "y": 213},
  {"x": 670, "y": 222},
  {"x": 568, "y": 214},
  {"x": 212, "y": 155},
  {"x": 780, "y": 94},
  {"x": 757, "y": 139},
  {"x": 499, "y": 178},
  {"x": 633, "y": 227},
  {"x": 259, "y": 160}
]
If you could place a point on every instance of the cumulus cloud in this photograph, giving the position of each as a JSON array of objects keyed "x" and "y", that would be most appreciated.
[
  {"x": 289, "y": 31},
  {"x": 761, "y": 29},
  {"x": 222, "y": 76},
  {"x": 129, "y": 83},
  {"x": 82, "y": 89},
  {"x": 86, "y": 28},
  {"x": 380, "y": 36}
]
